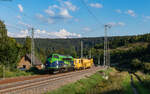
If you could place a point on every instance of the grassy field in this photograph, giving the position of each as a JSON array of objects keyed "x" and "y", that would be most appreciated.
[
  {"x": 14, "y": 73},
  {"x": 109, "y": 81},
  {"x": 142, "y": 83}
]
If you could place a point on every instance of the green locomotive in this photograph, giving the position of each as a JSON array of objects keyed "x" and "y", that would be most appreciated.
[{"x": 61, "y": 63}]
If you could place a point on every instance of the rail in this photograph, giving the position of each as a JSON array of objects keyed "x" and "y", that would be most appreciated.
[{"x": 42, "y": 85}]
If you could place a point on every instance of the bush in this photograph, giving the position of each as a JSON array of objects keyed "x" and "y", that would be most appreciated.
[
  {"x": 136, "y": 64},
  {"x": 1, "y": 71},
  {"x": 146, "y": 67},
  {"x": 13, "y": 73}
]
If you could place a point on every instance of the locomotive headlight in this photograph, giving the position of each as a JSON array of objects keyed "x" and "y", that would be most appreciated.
[{"x": 57, "y": 63}]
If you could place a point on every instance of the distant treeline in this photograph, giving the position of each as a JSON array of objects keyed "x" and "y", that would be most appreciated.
[
  {"x": 64, "y": 46},
  {"x": 72, "y": 46}
]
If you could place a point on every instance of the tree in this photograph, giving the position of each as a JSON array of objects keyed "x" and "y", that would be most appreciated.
[
  {"x": 27, "y": 45},
  {"x": 3, "y": 30},
  {"x": 9, "y": 48}
]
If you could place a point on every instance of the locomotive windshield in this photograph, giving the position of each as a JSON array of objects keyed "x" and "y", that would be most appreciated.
[
  {"x": 55, "y": 56},
  {"x": 67, "y": 59},
  {"x": 50, "y": 56}
]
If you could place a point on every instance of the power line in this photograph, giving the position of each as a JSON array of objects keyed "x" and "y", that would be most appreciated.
[
  {"x": 23, "y": 14},
  {"x": 11, "y": 26},
  {"x": 91, "y": 13},
  {"x": 17, "y": 11}
]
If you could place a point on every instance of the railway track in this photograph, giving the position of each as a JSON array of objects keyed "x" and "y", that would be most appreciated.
[{"x": 44, "y": 84}]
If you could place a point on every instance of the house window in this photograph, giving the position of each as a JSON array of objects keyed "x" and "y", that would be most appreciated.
[{"x": 24, "y": 66}]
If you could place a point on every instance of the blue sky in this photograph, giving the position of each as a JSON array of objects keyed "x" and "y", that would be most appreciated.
[{"x": 73, "y": 18}]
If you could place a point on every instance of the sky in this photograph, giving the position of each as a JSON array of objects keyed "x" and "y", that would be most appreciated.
[{"x": 75, "y": 18}]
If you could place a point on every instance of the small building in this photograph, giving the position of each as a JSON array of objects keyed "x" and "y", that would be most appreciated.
[{"x": 25, "y": 63}]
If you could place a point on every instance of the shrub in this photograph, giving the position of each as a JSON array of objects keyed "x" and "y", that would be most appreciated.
[
  {"x": 146, "y": 67},
  {"x": 136, "y": 64}
]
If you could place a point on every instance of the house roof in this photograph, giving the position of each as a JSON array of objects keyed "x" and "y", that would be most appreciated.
[{"x": 37, "y": 61}]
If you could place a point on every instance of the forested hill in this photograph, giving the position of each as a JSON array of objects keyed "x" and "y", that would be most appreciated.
[
  {"x": 71, "y": 46},
  {"x": 64, "y": 44},
  {"x": 57, "y": 43},
  {"x": 75, "y": 42}
]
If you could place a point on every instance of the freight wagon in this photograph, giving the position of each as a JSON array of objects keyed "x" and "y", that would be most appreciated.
[{"x": 83, "y": 63}]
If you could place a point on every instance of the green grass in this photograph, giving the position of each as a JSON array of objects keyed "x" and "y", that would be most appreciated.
[
  {"x": 82, "y": 86},
  {"x": 144, "y": 87},
  {"x": 117, "y": 83},
  {"x": 14, "y": 73},
  {"x": 126, "y": 85}
]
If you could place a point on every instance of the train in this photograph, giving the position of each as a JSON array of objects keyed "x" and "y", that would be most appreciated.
[{"x": 62, "y": 63}]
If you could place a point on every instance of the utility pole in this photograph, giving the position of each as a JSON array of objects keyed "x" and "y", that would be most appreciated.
[
  {"x": 32, "y": 48},
  {"x": 3, "y": 71},
  {"x": 90, "y": 54},
  {"x": 106, "y": 55},
  {"x": 99, "y": 59},
  {"x": 81, "y": 49}
]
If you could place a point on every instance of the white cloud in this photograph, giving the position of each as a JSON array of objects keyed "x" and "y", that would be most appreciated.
[
  {"x": 70, "y": 6},
  {"x": 64, "y": 13},
  {"x": 20, "y": 7},
  {"x": 87, "y": 29},
  {"x": 112, "y": 23},
  {"x": 38, "y": 31},
  {"x": 10, "y": 34},
  {"x": 63, "y": 33},
  {"x": 130, "y": 12},
  {"x": 76, "y": 20},
  {"x": 121, "y": 24},
  {"x": 96, "y": 5},
  {"x": 44, "y": 19},
  {"x": 59, "y": 12},
  {"x": 118, "y": 11},
  {"x": 147, "y": 17},
  {"x": 116, "y": 23},
  {"x": 21, "y": 34},
  {"x": 49, "y": 20},
  {"x": 50, "y": 12},
  {"x": 19, "y": 17},
  {"x": 24, "y": 24},
  {"x": 40, "y": 16}
]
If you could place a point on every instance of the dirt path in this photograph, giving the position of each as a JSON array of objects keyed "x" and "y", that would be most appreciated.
[
  {"x": 138, "y": 78},
  {"x": 133, "y": 85}
]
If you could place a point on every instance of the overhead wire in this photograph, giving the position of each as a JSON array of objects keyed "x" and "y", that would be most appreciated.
[
  {"x": 23, "y": 14},
  {"x": 91, "y": 13},
  {"x": 99, "y": 23},
  {"x": 24, "y": 24}
]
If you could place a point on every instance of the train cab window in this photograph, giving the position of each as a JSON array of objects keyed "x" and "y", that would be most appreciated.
[
  {"x": 50, "y": 56},
  {"x": 67, "y": 59},
  {"x": 79, "y": 61},
  {"x": 55, "y": 56},
  {"x": 76, "y": 61}
]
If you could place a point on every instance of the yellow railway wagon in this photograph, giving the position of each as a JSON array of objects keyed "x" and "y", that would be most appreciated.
[
  {"x": 77, "y": 63},
  {"x": 87, "y": 63},
  {"x": 83, "y": 63}
]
